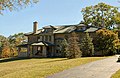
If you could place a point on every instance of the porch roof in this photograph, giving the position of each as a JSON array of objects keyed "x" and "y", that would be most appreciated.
[
  {"x": 23, "y": 45},
  {"x": 42, "y": 43},
  {"x": 91, "y": 29}
]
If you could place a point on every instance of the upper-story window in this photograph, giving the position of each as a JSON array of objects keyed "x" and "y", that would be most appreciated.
[
  {"x": 46, "y": 37},
  {"x": 50, "y": 38},
  {"x": 42, "y": 38},
  {"x": 38, "y": 38}
]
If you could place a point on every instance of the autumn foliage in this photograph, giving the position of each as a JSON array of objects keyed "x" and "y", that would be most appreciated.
[
  {"x": 8, "y": 45},
  {"x": 106, "y": 41}
]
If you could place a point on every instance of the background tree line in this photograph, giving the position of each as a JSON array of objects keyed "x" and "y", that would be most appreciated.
[{"x": 8, "y": 44}]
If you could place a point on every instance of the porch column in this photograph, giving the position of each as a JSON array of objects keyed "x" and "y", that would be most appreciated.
[
  {"x": 19, "y": 49},
  {"x": 44, "y": 51},
  {"x": 28, "y": 51},
  {"x": 52, "y": 51}
]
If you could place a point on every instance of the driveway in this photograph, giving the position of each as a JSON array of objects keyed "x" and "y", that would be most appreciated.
[{"x": 98, "y": 69}]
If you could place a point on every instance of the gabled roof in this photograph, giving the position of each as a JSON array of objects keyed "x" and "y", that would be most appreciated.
[
  {"x": 49, "y": 26},
  {"x": 31, "y": 33},
  {"x": 42, "y": 43},
  {"x": 65, "y": 29},
  {"x": 81, "y": 25},
  {"x": 23, "y": 45},
  {"x": 91, "y": 29}
]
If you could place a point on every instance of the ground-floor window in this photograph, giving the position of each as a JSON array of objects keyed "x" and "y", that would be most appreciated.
[{"x": 39, "y": 49}]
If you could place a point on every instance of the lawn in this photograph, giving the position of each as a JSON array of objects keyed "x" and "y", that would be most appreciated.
[
  {"x": 116, "y": 75},
  {"x": 39, "y": 67}
]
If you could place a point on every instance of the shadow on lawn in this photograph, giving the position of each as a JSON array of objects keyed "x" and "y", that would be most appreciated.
[
  {"x": 56, "y": 60},
  {"x": 27, "y": 58},
  {"x": 12, "y": 59}
]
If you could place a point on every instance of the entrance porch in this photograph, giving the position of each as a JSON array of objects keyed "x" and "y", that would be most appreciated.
[
  {"x": 42, "y": 49},
  {"x": 38, "y": 49}
]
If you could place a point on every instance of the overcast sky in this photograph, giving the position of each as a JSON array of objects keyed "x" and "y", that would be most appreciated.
[{"x": 46, "y": 12}]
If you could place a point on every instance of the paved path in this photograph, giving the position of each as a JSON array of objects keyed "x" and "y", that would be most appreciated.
[{"x": 98, "y": 69}]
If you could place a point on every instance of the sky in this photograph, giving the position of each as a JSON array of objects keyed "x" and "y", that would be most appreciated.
[{"x": 46, "y": 12}]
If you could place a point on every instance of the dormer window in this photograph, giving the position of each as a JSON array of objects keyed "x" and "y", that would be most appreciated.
[
  {"x": 81, "y": 28},
  {"x": 84, "y": 28},
  {"x": 48, "y": 30}
]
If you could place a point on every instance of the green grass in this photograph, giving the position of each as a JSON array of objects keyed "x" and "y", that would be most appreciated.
[
  {"x": 116, "y": 75},
  {"x": 39, "y": 68}
]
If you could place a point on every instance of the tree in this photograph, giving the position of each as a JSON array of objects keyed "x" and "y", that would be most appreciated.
[
  {"x": 14, "y": 4},
  {"x": 101, "y": 15},
  {"x": 117, "y": 18},
  {"x": 63, "y": 47},
  {"x": 73, "y": 50},
  {"x": 87, "y": 46},
  {"x": 5, "y": 50},
  {"x": 8, "y": 45},
  {"x": 16, "y": 40},
  {"x": 106, "y": 42}
]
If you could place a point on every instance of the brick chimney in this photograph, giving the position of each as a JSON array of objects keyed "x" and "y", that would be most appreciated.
[{"x": 35, "y": 27}]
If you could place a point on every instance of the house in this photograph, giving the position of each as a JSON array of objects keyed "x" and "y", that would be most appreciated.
[{"x": 45, "y": 42}]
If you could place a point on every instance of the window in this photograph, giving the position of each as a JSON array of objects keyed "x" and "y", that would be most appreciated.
[
  {"x": 49, "y": 38},
  {"x": 84, "y": 28},
  {"x": 57, "y": 51},
  {"x": 42, "y": 38},
  {"x": 38, "y": 38},
  {"x": 46, "y": 38},
  {"x": 47, "y": 30},
  {"x": 39, "y": 48}
]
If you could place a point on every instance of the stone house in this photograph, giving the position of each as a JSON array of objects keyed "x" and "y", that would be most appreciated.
[{"x": 45, "y": 42}]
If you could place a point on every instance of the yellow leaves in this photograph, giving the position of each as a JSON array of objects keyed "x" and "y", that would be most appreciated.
[
  {"x": 6, "y": 51},
  {"x": 110, "y": 37},
  {"x": 104, "y": 32},
  {"x": 117, "y": 18}
]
